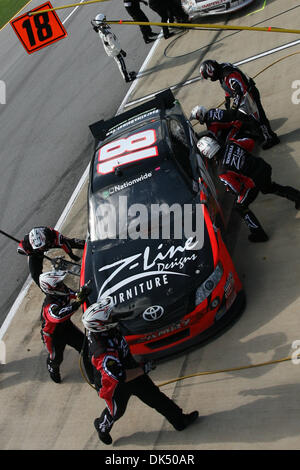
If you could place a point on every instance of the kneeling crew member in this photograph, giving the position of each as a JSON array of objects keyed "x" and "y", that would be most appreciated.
[
  {"x": 245, "y": 175},
  {"x": 58, "y": 331}
]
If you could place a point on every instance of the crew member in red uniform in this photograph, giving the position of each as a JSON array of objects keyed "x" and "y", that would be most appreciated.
[
  {"x": 242, "y": 89},
  {"x": 118, "y": 376},
  {"x": 41, "y": 239},
  {"x": 221, "y": 122},
  {"x": 245, "y": 175},
  {"x": 58, "y": 331}
]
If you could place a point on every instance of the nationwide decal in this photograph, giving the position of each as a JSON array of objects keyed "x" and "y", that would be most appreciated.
[
  {"x": 119, "y": 187},
  {"x": 157, "y": 266}
]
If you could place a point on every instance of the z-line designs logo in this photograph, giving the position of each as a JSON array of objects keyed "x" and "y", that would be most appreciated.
[{"x": 161, "y": 266}]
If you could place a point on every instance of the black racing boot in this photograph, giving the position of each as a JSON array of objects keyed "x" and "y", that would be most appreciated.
[
  {"x": 148, "y": 40},
  {"x": 188, "y": 419},
  {"x": 258, "y": 236},
  {"x": 132, "y": 76},
  {"x": 169, "y": 35},
  {"x": 105, "y": 437},
  {"x": 267, "y": 144},
  {"x": 257, "y": 233},
  {"x": 53, "y": 372}
]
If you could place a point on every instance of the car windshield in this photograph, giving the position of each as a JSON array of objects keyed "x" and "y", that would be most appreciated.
[{"x": 132, "y": 203}]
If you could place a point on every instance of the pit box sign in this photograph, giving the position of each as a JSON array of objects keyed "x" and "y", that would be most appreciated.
[{"x": 38, "y": 31}]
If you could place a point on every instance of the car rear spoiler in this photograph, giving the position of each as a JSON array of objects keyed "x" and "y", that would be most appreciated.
[{"x": 161, "y": 101}]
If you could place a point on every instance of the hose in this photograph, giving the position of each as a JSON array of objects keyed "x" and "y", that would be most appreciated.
[{"x": 198, "y": 374}]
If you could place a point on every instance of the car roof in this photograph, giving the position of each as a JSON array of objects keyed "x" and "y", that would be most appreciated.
[
  {"x": 114, "y": 171},
  {"x": 142, "y": 124}
]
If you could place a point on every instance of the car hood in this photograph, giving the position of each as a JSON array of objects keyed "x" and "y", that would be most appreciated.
[{"x": 142, "y": 273}]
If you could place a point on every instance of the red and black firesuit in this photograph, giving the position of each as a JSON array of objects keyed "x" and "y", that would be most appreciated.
[
  {"x": 236, "y": 85},
  {"x": 245, "y": 175},
  {"x": 54, "y": 239},
  {"x": 58, "y": 331},
  {"x": 223, "y": 123},
  {"x": 111, "y": 359}
]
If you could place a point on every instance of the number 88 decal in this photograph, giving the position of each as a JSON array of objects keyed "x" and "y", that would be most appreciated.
[{"x": 127, "y": 150}]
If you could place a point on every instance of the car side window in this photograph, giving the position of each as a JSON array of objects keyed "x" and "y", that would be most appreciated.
[{"x": 180, "y": 145}]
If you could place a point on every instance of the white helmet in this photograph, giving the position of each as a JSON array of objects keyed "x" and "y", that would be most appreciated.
[
  {"x": 100, "y": 19},
  {"x": 37, "y": 238},
  {"x": 97, "y": 317},
  {"x": 208, "y": 147},
  {"x": 49, "y": 282},
  {"x": 199, "y": 112}
]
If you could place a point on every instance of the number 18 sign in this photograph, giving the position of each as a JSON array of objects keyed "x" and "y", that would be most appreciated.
[{"x": 40, "y": 30}]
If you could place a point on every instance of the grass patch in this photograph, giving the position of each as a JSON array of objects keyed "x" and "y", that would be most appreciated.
[{"x": 8, "y": 8}]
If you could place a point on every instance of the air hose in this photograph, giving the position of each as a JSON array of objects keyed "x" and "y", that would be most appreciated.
[{"x": 198, "y": 374}]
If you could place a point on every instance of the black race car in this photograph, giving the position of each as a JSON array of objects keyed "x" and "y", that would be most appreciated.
[{"x": 156, "y": 230}]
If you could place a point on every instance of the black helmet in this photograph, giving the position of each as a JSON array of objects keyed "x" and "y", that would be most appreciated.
[{"x": 209, "y": 69}]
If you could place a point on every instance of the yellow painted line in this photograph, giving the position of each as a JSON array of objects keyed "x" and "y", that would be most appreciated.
[
  {"x": 260, "y": 9},
  {"x": 81, "y": 4},
  {"x": 16, "y": 14}
]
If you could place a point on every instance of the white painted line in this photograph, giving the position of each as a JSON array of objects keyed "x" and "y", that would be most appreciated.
[
  {"x": 271, "y": 51},
  {"x": 196, "y": 79},
  {"x": 70, "y": 203},
  {"x": 72, "y": 12},
  {"x": 135, "y": 83}
]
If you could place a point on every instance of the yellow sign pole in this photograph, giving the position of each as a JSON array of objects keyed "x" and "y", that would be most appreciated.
[
  {"x": 267, "y": 29},
  {"x": 209, "y": 26}
]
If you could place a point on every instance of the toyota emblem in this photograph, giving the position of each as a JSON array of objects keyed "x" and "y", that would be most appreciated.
[{"x": 153, "y": 313}]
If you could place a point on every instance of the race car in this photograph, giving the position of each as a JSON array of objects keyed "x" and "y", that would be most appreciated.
[
  {"x": 196, "y": 8},
  {"x": 156, "y": 229}
]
